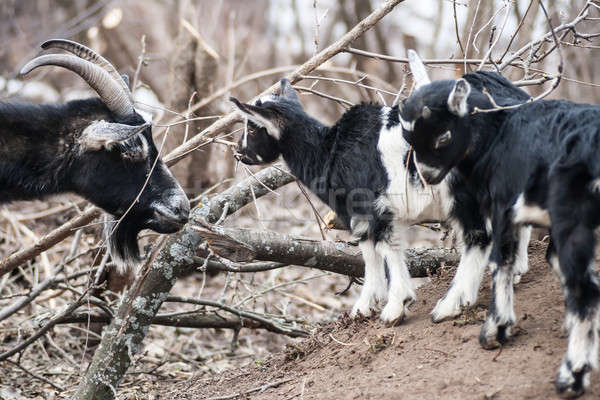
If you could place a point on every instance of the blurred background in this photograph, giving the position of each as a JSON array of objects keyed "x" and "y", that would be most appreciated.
[{"x": 183, "y": 52}]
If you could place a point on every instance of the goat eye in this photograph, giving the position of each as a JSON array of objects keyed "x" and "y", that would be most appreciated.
[{"x": 443, "y": 140}]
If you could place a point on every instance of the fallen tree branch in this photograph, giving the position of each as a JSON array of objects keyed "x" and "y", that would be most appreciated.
[
  {"x": 339, "y": 257},
  {"x": 268, "y": 323},
  {"x": 198, "y": 320}
]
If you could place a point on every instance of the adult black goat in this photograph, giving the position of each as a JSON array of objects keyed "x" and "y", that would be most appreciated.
[
  {"x": 363, "y": 169},
  {"x": 98, "y": 148},
  {"x": 535, "y": 163}
]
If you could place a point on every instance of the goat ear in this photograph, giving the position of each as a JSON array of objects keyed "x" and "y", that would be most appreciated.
[
  {"x": 457, "y": 101},
  {"x": 261, "y": 116},
  {"x": 418, "y": 69},
  {"x": 103, "y": 134},
  {"x": 288, "y": 91}
]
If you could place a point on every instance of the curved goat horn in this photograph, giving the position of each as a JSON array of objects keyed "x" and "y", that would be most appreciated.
[
  {"x": 110, "y": 91},
  {"x": 418, "y": 69},
  {"x": 86, "y": 53}
]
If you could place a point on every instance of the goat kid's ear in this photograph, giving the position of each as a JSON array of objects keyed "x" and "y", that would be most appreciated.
[
  {"x": 457, "y": 101},
  {"x": 261, "y": 116},
  {"x": 418, "y": 69},
  {"x": 288, "y": 91},
  {"x": 103, "y": 134}
]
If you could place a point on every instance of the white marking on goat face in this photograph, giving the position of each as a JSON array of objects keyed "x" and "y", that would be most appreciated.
[
  {"x": 427, "y": 171},
  {"x": 410, "y": 202},
  {"x": 272, "y": 129},
  {"x": 529, "y": 213},
  {"x": 408, "y": 126},
  {"x": 267, "y": 98}
]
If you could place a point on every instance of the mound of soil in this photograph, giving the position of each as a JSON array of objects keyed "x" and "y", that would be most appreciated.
[{"x": 364, "y": 359}]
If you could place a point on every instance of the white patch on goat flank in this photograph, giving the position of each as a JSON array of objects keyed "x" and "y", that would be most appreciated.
[
  {"x": 375, "y": 286},
  {"x": 465, "y": 285},
  {"x": 529, "y": 214},
  {"x": 410, "y": 202}
]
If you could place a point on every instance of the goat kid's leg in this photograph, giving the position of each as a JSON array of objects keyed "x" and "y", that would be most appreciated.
[
  {"x": 473, "y": 236},
  {"x": 375, "y": 285},
  {"x": 497, "y": 328},
  {"x": 582, "y": 304},
  {"x": 401, "y": 292},
  {"x": 522, "y": 260},
  {"x": 465, "y": 285}
]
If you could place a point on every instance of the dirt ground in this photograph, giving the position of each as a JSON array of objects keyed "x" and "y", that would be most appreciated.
[{"x": 364, "y": 359}]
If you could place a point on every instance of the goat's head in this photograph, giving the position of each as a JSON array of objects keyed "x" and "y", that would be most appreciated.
[
  {"x": 268, "y": 118},
  {"x": 114, "y": 162},
  {"x": 430, "y": 118}
]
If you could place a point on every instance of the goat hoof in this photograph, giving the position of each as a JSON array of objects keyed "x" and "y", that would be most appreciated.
[
  {"x": 392, "y": 316},
  {"x": 438, "y": 318},
  {"x": 569, "y": 383},
  {"x": 516, "y": 279},
  {"x": 493, "y": 336},
  {"x": 359, "y": 311},
  {"x": 443, "y": 312}
]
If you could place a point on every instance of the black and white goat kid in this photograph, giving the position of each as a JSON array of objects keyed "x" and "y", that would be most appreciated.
[
  {"x": 534, "y": 164},
  {"x": 363, "y": 169},
  {"x": 98, "y": 148}
]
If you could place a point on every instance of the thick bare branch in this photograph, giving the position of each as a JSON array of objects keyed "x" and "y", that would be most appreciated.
[{"x": 339, "y": 257}]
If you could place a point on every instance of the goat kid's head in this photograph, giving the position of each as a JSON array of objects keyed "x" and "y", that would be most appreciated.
[
  {"x": 429, "y": 119},
  {"x": 268, "y": 118},
  {"x": 114, "y": 162}
]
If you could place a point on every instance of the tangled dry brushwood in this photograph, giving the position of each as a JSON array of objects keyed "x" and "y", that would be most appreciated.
[{"x": 71, "y": 294}]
